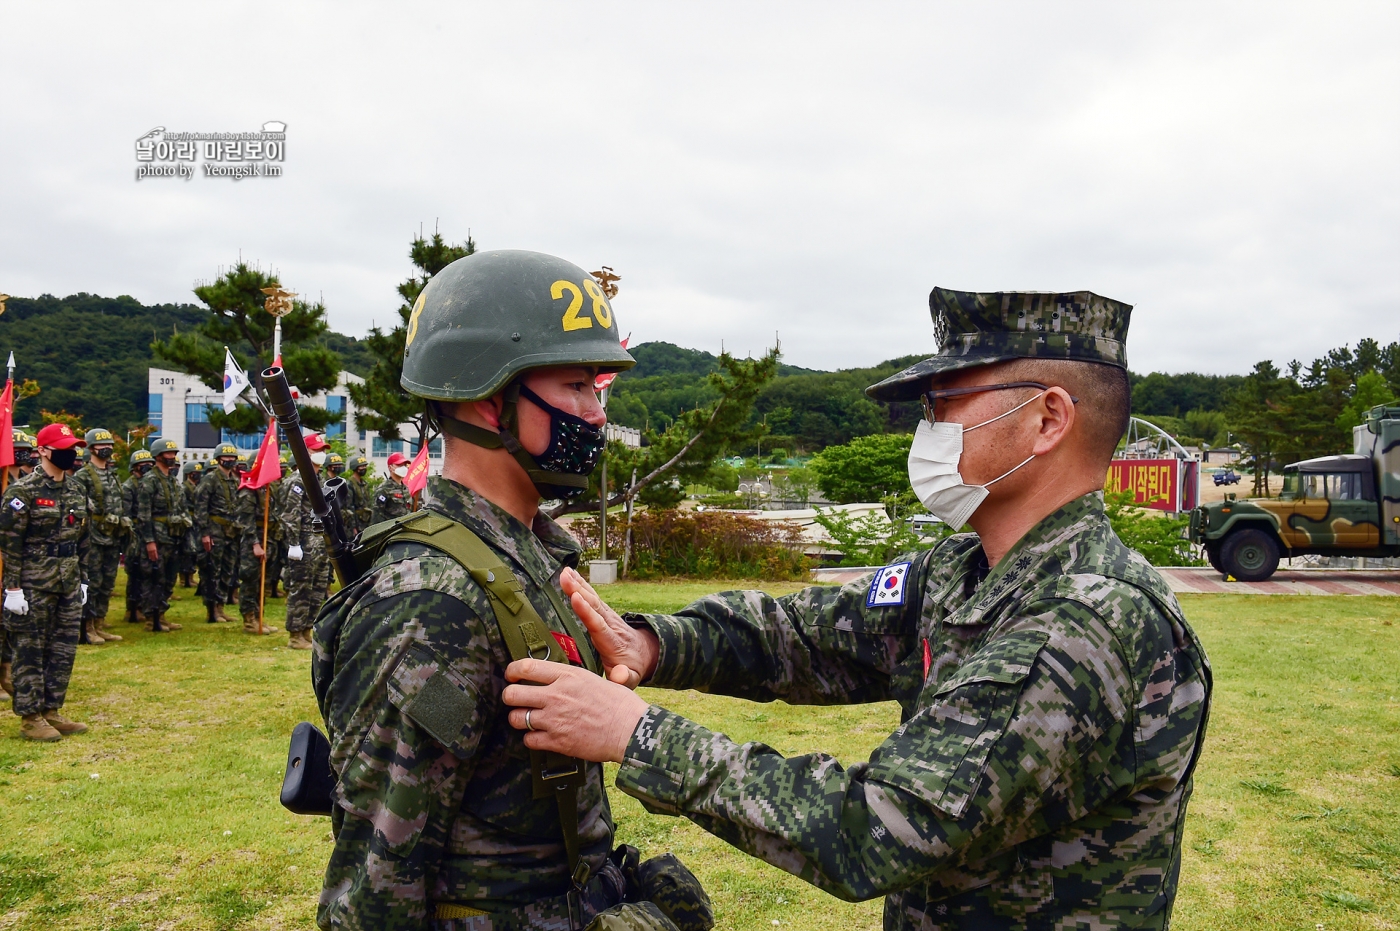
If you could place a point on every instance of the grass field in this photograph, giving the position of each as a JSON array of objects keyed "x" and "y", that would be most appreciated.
[{"x": 165, "y": 814}]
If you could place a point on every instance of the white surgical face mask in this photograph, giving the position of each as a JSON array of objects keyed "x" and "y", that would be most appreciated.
[
  {"x": 319, "y": 459},
  {"x": 933, "y": 469},
  {"x": 398, "y": 471}
]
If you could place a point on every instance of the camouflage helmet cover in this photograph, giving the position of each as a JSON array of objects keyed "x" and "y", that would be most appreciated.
[
  {"x": 162, "y": 445},
  {"x": 487, "y": 317},
  {"x": 99, "y": 437},
  {"x": 976, "y": 329}
]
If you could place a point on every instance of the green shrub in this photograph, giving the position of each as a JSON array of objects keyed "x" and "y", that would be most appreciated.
[
  {"x": 702, "y": 544},
  {"x": 1161, "y": 539}
]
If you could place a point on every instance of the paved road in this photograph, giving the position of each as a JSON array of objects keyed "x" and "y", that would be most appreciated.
[{"x": 1208, "y": 581}]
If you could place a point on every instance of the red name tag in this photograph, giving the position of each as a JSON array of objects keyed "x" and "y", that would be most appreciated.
[
  {"x": 566, "y": 643},
  {"x": 45, "y": 502}
]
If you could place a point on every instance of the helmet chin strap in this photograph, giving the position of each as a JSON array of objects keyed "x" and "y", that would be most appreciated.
[{"x": 507, "y": 438}]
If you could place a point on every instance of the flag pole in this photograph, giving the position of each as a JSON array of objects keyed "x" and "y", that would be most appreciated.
[{"x": 262, "y": 572}]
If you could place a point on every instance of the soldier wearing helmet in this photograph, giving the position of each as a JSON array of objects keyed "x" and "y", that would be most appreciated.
[
  {"x": 505, "y": 347},
  {"x": 98, "y": 478},
  {"x": 391, "y": 498},
  {"x": 216, "y": 532},
  {"x": 308, "y": 572},
  {"x": 44, "y": 538},
  {"x": 25, "y": 457},
  {"x": 191, "y": 473},
  {"x": 138, "y": 465},
  {"x": 162, "y": 523},
  {"x": 360, "y": 496}
]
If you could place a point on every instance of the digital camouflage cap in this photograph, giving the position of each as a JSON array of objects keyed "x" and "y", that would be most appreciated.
[{"x": 979, "y": 328}]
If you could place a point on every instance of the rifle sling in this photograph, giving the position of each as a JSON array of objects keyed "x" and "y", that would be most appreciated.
[{"x": 526, "y": 636}]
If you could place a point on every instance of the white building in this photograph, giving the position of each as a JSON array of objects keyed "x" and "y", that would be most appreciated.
[{"x": 179, "y": 410}]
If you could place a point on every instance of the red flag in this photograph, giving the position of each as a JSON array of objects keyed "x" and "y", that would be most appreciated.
[
  {"x": 267, "y": 468},
  {"x": 7, "y": 421},
  {"x": 602, "y": 382},
  {"x": 417, "y": 476}
]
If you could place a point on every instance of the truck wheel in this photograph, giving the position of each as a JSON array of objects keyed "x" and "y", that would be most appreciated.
[
  {"x": 1249, "y": 555},
  {"x": 1213, "y": 557}
]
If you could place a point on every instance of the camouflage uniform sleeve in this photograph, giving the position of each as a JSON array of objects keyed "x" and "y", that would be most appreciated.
[
  {"x": 145, "y": 524},
  {"x": 1011, "y": 746},
  {"x": 14, "y": 523},
  {"x": 200, "y": 508},
  {"x": 820, "y": 645},
  {"x": 414, "y": 710},
  {"x": 288, "y": 513}
]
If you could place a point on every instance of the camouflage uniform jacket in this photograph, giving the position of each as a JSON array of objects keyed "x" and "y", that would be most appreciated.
[
  {"x": 391, "y": 499},
  {"x": 360, "y": 498},
  {"x": 214, "y": 505},
  {"x": 161, "y": 515},
  {"x": 434, "y": 800},
  {"x": 104, "y": 490},
  {"x": 129, "y": 497},
  {"x": 1052, "y": 716},
  {"x": 293, "y": 513},
  {"x": 44, "y": 534},
  {"x": 248, "y": 511}
]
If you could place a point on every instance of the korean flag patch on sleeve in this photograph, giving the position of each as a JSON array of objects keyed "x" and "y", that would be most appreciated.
[{"x": 887, "y": 588}]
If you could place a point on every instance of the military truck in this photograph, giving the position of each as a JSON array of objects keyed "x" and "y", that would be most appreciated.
[{"x": 1331, "y": 506}]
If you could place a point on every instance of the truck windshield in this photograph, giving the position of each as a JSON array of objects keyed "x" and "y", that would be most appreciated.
[
  {"x": 1290, "y": 485},
  {"x": 1344, "y": 486}
]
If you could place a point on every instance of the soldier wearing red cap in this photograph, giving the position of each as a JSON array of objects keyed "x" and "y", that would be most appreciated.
[
  {"x": 44, "y": 536},
  {"x": 391, "y": 499}
]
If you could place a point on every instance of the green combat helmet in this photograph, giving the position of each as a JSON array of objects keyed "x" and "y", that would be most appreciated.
[
  {"x": 483, "y": 321},
  {"x": 357, "y": 463},
  {"x": 335, "y": 464},
  {"x": 162, "y": 445},
  {"x": 23, "y": 445},
  {"x": 98, "y": 435},
  {"x": 243, "y": 464},
  {"x": 226, "y": 449},
  {"x": 141, "y": 460},
  {"x": 190, "y": 468}
]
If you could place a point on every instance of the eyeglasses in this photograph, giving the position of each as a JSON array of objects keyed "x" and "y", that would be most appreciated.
[{"x": 941, "y": 394}]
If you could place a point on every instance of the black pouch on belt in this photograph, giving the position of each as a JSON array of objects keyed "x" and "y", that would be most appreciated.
[{"x": 669, "y": 884}]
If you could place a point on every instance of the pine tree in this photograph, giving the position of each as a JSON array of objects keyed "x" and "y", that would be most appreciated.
[
  {"x": 382, "y": 404},
  {"x": 240, "y": 322}
]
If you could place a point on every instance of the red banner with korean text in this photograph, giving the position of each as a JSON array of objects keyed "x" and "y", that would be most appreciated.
[{"x": 1155, "y": 483}]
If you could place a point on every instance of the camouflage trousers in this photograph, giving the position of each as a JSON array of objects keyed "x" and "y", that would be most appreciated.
[
  {"x": 249, "y": 572},
  {"x": 45, "y": 643},
  {"x": 134, "y": 581},
  {"x": 100, "y": 569},
  {"x": 188, "y": 558},
  {"x": 276, "y": 562},
  {"x": 308, "y": 583},
  {"x": 158, "y": 578},
  {"x": 218, "y": 569}
]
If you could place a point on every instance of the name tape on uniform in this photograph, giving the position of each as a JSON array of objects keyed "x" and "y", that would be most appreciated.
[{"x": 887, "y": 588}]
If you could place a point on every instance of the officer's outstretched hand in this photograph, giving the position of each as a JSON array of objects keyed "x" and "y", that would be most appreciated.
[
  {"x": 571, "y": 711},
  {"x": 628, "y": 653}
]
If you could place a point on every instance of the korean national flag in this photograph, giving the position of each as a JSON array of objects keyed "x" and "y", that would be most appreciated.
[
  {"x": 887, "y": 588},
  {"x": 235, "y": 382}
]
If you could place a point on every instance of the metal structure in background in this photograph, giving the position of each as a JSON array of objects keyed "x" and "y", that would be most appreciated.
[
  {"x": 1158, "y": 470},
  {"x": 607, "y": 280},
  {"x": 278, "y": 304},
  {"x": 1148, "y": 441}
]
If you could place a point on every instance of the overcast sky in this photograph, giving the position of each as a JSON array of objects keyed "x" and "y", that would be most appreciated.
[{"x": 1233, "y": 170}]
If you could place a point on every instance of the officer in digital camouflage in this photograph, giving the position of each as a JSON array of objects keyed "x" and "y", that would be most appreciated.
[
  {"x": 308, "y": 573},
  {"x": 217, "y": 532},
  {"x": 252, "y": 515},
  {"x": 162, "y": 523},
  {"x": 438, "y": 822},
  {"x": 391, "y": 498},
  {"x": 138, "y": 465},
  {"x": 109, "y": 530},
  {"x": 44, "y": 541},
  {"x": 360, "y": 496},
  {"x": 1054, "y": 697}
]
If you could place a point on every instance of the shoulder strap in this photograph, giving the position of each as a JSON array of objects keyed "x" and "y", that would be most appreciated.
[
  {"x": 96, "y": 487},
  {"x": 526, "y": 636}
]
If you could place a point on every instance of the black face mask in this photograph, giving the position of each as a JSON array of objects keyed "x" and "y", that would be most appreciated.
[
  {"x": 561, "y": 471},
  {"x": 102, "y": 452},
  {"x": 64, "y": 458},
  {"x": 142, "y": 469},
  {"x": 24, "y": 457},
  {"x": 171, "y": 462},
  {"x": 575, "y": 446}
]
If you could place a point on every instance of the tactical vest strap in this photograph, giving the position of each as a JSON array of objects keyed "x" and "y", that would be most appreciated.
[{"x": 526, "y": 637}]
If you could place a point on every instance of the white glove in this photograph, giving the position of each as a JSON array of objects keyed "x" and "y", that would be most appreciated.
[
  {"x": 15, "y": 602},
  {"x": 82, "y": 587},
  {"x": 294, "y": 552}
]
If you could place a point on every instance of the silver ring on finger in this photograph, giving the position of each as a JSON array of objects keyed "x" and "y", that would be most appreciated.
[{"x": 528, "y": 725}]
